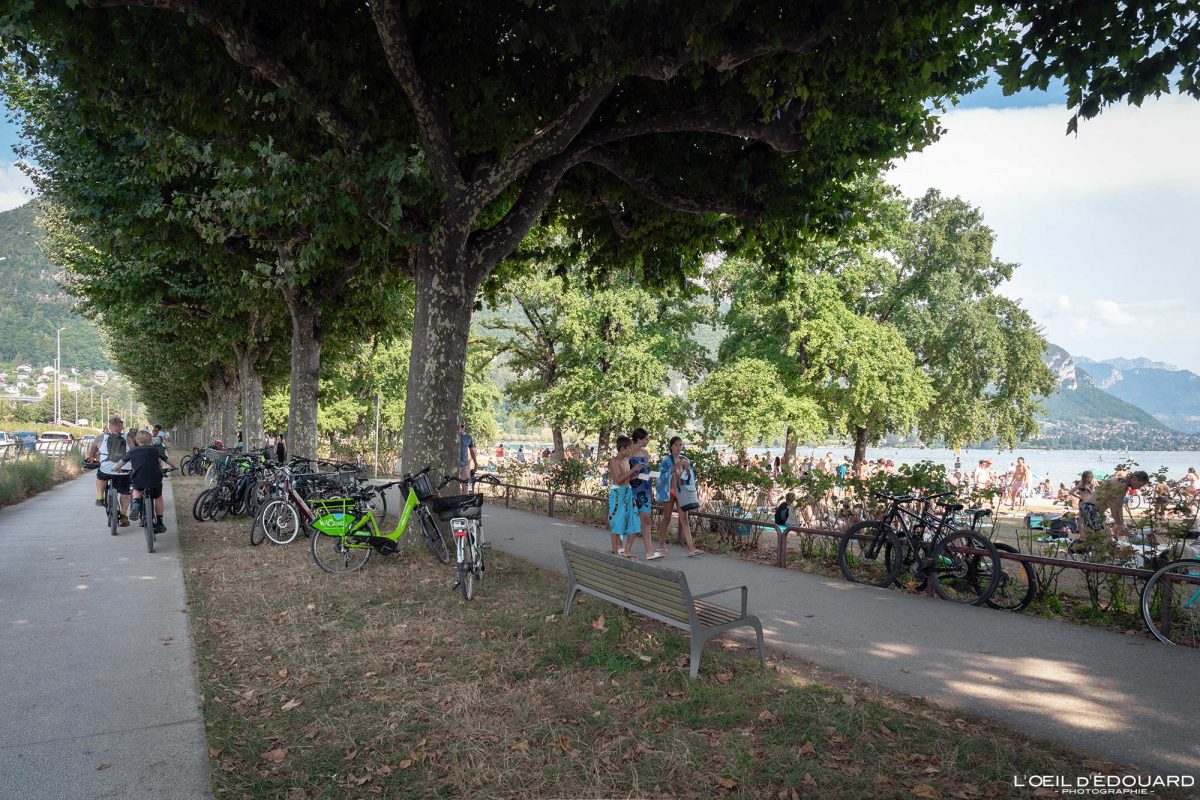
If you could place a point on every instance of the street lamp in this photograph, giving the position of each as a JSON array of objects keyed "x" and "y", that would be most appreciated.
[{"x": 57, "y": 378}]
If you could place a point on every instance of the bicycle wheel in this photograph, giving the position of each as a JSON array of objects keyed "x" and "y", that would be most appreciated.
[
  {"x": 184, "y": 463},
  {"x": 222, "y": 503},
  {"x": 148, "y": 525},
  {"x": 114, "y": 513},
  {"x": 258, "y": 534},
  {"x": 965, "y": 568},
  {"x": 379, "y": 508},
  {"x": 1171, "y": 603},
  {"x": 280, "y": 522},
  {"x": 466, "y": 580},
  {"x": 433, "y": 537},
  {"x": 862, "y": 560},
  {"x": 198, "y": 505},
  {"x": 1018, "y": 583},
  {"x": 337, "y": 554}
]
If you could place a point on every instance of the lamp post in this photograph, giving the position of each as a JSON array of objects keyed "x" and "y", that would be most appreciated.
[{"x": 57, "y": 378}]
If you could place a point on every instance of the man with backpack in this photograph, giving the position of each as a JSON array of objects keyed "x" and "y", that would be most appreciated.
[{"x": 112, "y": 449}]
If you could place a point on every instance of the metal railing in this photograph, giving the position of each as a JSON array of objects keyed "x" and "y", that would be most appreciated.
[
  {"x": 15, "y": 451},
  {"x": 783, "y": 533}
]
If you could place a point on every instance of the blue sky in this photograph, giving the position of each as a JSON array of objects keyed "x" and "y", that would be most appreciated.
[{"x": 1100, "y": 223}]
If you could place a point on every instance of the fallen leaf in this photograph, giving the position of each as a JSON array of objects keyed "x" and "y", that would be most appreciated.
[
  {"x": 289, "y": 705},
  {"x": 283, "y": 673},
  {"x": 275, "y": 754},
  {"x": 598, "y": 623},
  {"x": 849, "y": 700},
  {"x": 885, "y": 730},
  {"x": 385, "y": 770},
  {"x": 724, "y": 677},
  {"x": 727, "y": 783},
  {"x": 807, "y": 749},
  {"x": 564, "y": 743},
  {"x": 405, "y": 764},
  {"x": 521, "y": 747},
  {"x": 213, "y": 752},
  {"x": 926, "y": 791},
  {"x": 808, "y": 780},
  {"x": 767, "y": 716},
  {"x": 361, "y": 781},
  {"x": 103, "y": 766},
  {"x": 645, "y": 657},
  {"x": 352, "y": 754}
]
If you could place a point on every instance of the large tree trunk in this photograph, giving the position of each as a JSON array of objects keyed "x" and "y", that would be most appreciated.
[
  {"x": 229, "y": 409},
  {"x": 602, "y": 443},
  {"x": 559, "y": 450},
  {"x": 250, "y": 381},
  {"x": 789, "y": 448},
  {"x": 861, "y": 439},
  {"x": 437, "y": 365},
  {"x": 212, "y": 412},
  {"x": 306, "y": 366}
]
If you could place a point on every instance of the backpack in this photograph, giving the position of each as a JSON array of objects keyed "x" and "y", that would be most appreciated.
[
  {"x": 117, "y": 448},
  {"x": 782, "y": 512},
  {"x": 685, "y": 490}
]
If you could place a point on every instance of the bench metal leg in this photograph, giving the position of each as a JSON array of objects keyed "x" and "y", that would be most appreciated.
[
  {"x": 762, "y": 653},
  {"x": 697, "y": 646},
  {"x": 572, "y": 590}
]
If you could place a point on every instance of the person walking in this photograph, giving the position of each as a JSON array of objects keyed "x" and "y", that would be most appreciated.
[
  {"x": 280, "y": 448},
  {"x": 1020, "y": 480},
  {"x": 622, "y": 515},
  {"x": 639, "y": 482},
  {"x": 468, "y": 461},
  {"x": 667, "y": 491}
]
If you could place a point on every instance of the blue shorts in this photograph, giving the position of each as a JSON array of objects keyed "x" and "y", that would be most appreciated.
[{"x": 622, "y": 515}]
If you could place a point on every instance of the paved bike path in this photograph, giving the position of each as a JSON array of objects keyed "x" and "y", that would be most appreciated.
[
  {"x": 98, "y": 691},
  {"x": 1119, "y": 697}
]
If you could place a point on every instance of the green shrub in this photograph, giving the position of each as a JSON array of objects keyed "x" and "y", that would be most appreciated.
[{"x": 21, "y": 479}]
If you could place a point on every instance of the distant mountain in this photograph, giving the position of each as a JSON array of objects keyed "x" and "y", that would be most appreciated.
[
  {"x": 1125, "y": 363},
  {"x": 1080, "y": 413},
  {"x": 1171, "y": 394},
  {"x": 33, "y": 306}
]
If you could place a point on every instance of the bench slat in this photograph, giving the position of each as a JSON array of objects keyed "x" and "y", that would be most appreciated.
[{"x": 666, "y": 596}]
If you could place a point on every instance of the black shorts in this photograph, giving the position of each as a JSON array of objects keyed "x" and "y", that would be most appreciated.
[
  {"x": 119, "y": 482},
  {"x": 150, "y": 491}
]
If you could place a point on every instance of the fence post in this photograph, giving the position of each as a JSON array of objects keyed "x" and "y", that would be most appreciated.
[
  {"x": 550, "y": 506},
  {"x": 507, "y": 495},
  {"x": 781, "y": 547}
]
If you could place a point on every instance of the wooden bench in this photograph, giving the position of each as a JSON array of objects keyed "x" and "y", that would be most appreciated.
[{"x": 658, "y": 593}]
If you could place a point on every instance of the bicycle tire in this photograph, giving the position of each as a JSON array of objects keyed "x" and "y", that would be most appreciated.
[
  {"x": 1179, "y": 622},
  {"x": 864, "y": 561},
  {"x": 333, "y": 554},
  {"x": 198, "y": 503},
  {"x": 280, "y": 522},
  {"x": 147, "y": 524},
  {"x": 961, "y": 575},
  {"x": 435, "y": 541},
  {"x": 210, "y": 475},
  {"x": 114, "y": 513},
  {"x": 184, "y": 463},
  {"x": 466, "y": 580},
  {"x": 1018, "y": 583},
  {"x": 258, "y": 534},
  {"x": 222, "y": 503}
]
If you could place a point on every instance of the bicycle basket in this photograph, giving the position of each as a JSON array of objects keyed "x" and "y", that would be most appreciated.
[
  {"x": 423, "y": 488},
  {"x": 469, "y": 506}
]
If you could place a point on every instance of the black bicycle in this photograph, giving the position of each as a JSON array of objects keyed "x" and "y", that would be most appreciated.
[
  {"x": 148, "y": 516},
  {"x": 910, "y": 548}
]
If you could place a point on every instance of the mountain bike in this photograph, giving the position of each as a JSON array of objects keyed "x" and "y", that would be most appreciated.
[
  {"x": 1171, "y": 603},
  {"x": 343, "y": 541},
  {"x": 961, "y": 563},
  {"x": 1017, "y": 580},
  {"x": 147, "y": 518},
  {"x": 464, "y": 513}
]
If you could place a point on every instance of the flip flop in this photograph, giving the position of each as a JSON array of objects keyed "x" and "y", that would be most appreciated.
[
  {"x": 654, "y": 556},
  {"x": 697, "y": 553}
]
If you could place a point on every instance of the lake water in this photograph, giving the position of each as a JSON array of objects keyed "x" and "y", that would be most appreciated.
[{"x": 1060, "y": 466}]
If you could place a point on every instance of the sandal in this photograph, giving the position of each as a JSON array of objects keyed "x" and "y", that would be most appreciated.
[{"x": 695, "y": 553}]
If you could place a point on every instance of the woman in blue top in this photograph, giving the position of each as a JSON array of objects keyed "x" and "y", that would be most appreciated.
[
  {"x": 667, "y": 488},
  {"x": 639, "y": 462}
]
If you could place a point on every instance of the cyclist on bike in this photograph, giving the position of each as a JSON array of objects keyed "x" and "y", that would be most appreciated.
[
  {"x": 146, "y": 462},
  {"x": 112, "y": 449}
]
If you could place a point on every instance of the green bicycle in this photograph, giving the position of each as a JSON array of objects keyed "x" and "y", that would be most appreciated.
[{"x": 344, "y": 540}]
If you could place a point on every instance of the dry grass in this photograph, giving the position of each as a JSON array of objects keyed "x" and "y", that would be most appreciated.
[
  {"x": 384, "y": 683},
  {"x": 20, "y": 480}
]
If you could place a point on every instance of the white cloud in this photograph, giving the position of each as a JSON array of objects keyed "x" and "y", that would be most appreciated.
[
  {"x": 15, "y": 188},
  {"x": 1110, "y": 312},
  {"x": 1100, "y": 223}
]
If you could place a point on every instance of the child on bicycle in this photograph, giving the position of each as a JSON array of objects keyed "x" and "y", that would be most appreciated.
[{"x": 145, "y": 462}]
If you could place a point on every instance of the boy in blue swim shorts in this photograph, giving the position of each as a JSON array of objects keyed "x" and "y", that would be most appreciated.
[{"x": 622, "y": 512}]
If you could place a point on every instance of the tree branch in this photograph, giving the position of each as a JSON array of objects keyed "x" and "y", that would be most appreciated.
[
  {"x": 664, "y": 68},
  {"x": 781, "y": 134},
  {"x": 660, "y": 193},
  {"x": 433, "y": 118},
  {"x": 247, "y": 50}
]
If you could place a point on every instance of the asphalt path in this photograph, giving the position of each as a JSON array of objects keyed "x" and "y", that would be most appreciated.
[
  {"x": 1116, "y": 696},
  {"x": 98, "y": 691}
]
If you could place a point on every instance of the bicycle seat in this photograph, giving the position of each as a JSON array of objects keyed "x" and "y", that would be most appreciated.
[
  {"x": 980, "y": 513},
  {"x": 951, "y": 507}
]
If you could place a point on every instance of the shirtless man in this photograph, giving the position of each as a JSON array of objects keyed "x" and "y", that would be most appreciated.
[{"x": 1020, "y": 479}]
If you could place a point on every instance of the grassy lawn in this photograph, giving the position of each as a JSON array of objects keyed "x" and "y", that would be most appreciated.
[{"x": 385, "y": 683}]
